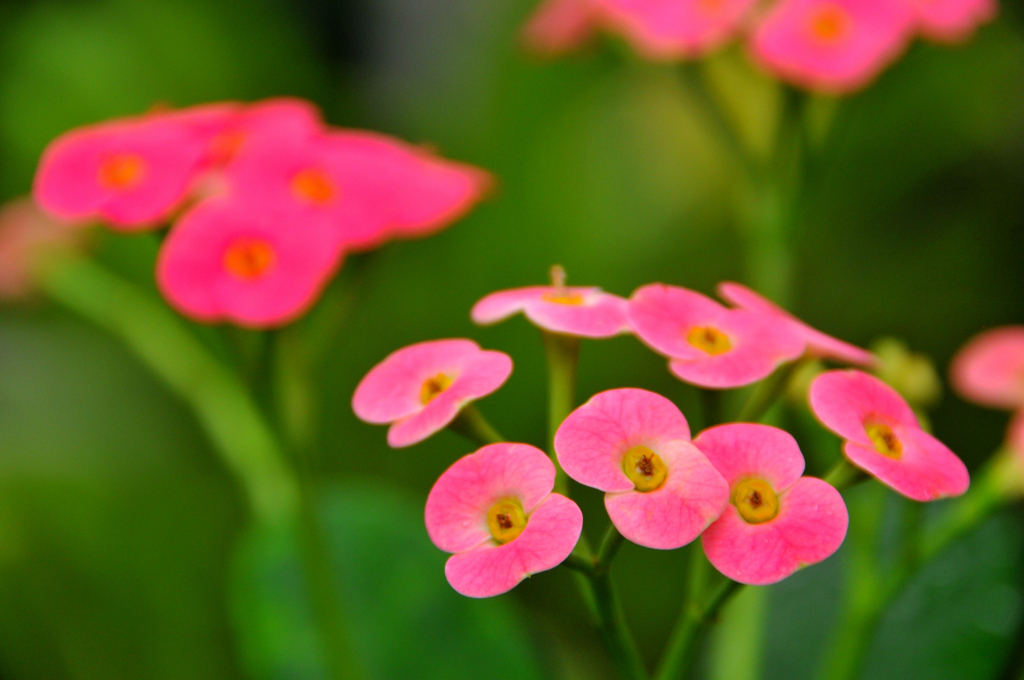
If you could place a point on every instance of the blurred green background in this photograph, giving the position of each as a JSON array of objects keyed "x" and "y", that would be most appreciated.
[{"x": 125, "y": 550}]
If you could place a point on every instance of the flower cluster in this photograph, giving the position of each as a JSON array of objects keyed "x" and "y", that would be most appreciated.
[
  {"x": 265, "y": 199},
  {"x": 989, "y": 370},
  {"x": 738, "y": 486},
  {"x": 829, "y": 45}
]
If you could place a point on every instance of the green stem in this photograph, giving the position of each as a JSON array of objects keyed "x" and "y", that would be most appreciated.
[
  {"x": 472, "y": 425},
  {"x": 768, "y": 392},
  {"x": 218, "y": 399},
  {"x": 693, "y": 624},
  {"x": 615, "y": 630},
  {"x": 870, "y": 594},
  {"x": 609, "y": 547},
  {"x": 843, "y": 475},
  {"x": 711, "y": 403},
  {"x": 562, "y": 353}
]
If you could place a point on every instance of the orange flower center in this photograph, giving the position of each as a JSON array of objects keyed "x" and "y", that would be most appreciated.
[
  {"x": 121, "y": 171},
  {"x": 433, "y": 387},
  {"x": 756, "y": 501},
  {"x": 709, "y": 339},
  {"x": 711, "y": 7},
  {"x": 885, "y": 440},
  {"x": 829, "y": 23},
  {"x": 226, "y": 145},
  {"x": 313, "y": 186},
  {"x": 248, "y": 259}
]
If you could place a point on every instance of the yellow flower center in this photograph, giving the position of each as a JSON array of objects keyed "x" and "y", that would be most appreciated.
[
  {"x": 756, "y": 501},
  {"x": 885, "y": 440},
  {"x": 121, "y": 171},
  {"x": 506, "y": 520},
  {"x": 313, "y": 186},
  {"x": 434, "y": 386},
  {"x": 563, "y": 297},
  {"x": 644, "y": 468},
  {"x": 709, "y": 339},
  {"x": 249, "y": 259},
  {"x": 829, "y": 23}
]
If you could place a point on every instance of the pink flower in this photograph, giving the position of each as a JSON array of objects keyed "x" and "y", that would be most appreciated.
[
  {"x": 560, "y": 26},
  {"x": 228, "y": 262},
  {"x": 1015, "y": 435},
  {"x": 229, "y": 128},
  {"x": 370, "y": 187},
  {"x": 132, "y": 173},
  {"x": 832, "y": 45},
  {"x": 26, "y": 234},
  {"x": 496, "y": 511},
  {"x": 585, "y": 312},
  {"x": 777, "y": 521},
  {"x": 818, "y": 344},
  {"x": 708, "y": 344},
  {"x": 989, "y": 369},
  {"x": 672, "y": 29},
  {"x": 883, "y": 437},
  {"x": 421, "y": 388},
  {"x": 952, "y": 20},
  {"x": 661, "y": 492}
]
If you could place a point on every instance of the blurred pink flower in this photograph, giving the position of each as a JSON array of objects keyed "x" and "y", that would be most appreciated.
[
  {"x": 832, "y": 45},
  {"x": 661, "y": 492},
  {"x": 989, "y": 369},
  {"x": 132, "y": 173},
  {"x": 818, "y": 344},
  {"x": 673, "y": 29},
  {"x": 952, "y": 20},
  {"x": 421, "y": 388},
  {"x": 560, "y": 26},
  {"x": 883, "y": 437},
  {"x": 370, "y": 187},
  {"x": 777, "y": 521},
  {"x": 26, "y": 234},
  {"x": 710, "y": 345},
  {"x": 1015, "y": 435},
  {"x": 496, "y": 511},
  {"x": 224, "y": 261},
  {"x": 584, "y": 312}
]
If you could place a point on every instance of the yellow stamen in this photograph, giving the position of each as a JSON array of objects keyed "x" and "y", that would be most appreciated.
[
  {"x": 756, "y": 501},
  {"x": 313, "y": 186},
  {"x": 506, "y": 520},
  {"x": 561, "y": 295},
  {"x": 709, "y": 339},
  {"x": 644, "y": 468},
  {"x": 121, "y": 171},
  {"x": 885, "y": 440},
  {"x": 249, "y": 259},
  {"x": 434, "y": 386}
]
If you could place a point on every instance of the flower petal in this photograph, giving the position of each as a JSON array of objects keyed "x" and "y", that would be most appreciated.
[
  {"x": 927, "y": 470},
  {"x": 989, "y": 370},
  {"x": 810, "y": 526},
  {"x": 456, "y": 512},
  {"x": 591, "y": 441},
  {"x": 692, "y": 497},
  {"x": 550, "y": 535},
  {"x": 739, "y": 450},
  {"x": 844, "y": 399}
]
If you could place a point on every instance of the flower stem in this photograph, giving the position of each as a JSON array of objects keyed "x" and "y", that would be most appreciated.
[
  {"x": 615, "y": 630},
  {"x": 869, "y": 595},
  {"x": 562, "y": 353},
  {"x": 224, "y": 408},
  {"x": 708, "y": 592},
  {"x": 161, "y": 341},
  {"x": 609, "y": 547},
  {"x": 472, "y": 425},
  {"x": 843, "y": 475},
  {"x": 768, "y": 392}
]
